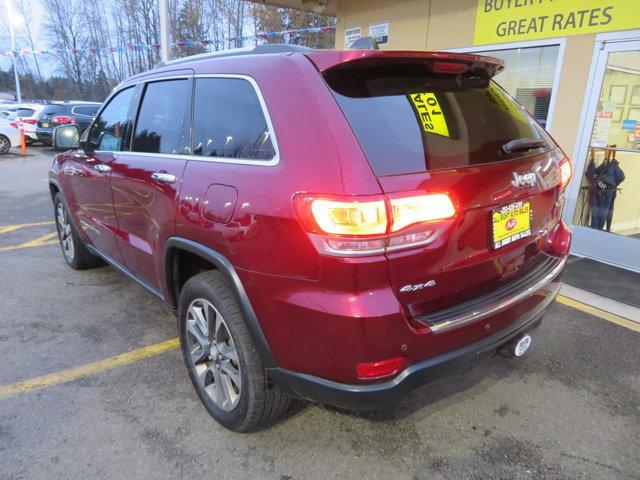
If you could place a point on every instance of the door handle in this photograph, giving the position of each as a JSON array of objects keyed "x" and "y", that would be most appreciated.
[
  {"x": 163, "y": 177},
  {"x": 101, "y": 167}
]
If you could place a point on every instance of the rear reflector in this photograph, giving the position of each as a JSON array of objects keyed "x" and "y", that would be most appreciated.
[
  {"x": 559, "y": 240},
  {"x": 379, "y": 369}
]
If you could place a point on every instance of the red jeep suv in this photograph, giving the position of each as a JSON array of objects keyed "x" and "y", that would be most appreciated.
[{"x": 341, "y": 226}]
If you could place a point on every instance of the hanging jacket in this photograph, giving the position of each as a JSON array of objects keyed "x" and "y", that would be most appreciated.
[{"x": 610, "y": 173}]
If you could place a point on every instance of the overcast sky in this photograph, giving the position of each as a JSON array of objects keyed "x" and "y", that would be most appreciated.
[{"x": 37, "y": 12}]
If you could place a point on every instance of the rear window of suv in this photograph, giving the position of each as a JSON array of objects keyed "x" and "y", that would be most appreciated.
[
  {"x": 409, "y": 120},
  {"x": 51, "y": 111}
]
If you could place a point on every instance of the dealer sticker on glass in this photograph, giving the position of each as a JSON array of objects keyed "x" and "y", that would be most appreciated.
[{"x": 510, "y": 223}]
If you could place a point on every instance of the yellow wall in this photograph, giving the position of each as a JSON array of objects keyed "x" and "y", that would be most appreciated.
[
  {"x": 408, "y": 21},
  {"x": 446, "y": 24}
]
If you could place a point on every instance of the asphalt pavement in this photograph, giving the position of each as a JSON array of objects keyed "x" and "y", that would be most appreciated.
[{"x": 570, "y": 409}]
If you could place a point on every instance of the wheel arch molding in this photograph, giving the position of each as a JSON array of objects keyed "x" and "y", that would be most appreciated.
[{"x": 175, "y": 244}]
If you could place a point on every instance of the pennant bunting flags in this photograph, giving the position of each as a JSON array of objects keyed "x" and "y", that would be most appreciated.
[{"x": 156, "y": 46}]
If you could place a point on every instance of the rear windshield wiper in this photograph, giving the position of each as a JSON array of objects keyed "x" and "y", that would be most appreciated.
[{"x": 523, "y": 144}]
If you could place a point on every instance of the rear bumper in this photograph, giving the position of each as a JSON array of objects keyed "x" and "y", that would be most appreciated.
[
  {"x": 44, "y": 135},
  {"x": 380, "y": 395}
]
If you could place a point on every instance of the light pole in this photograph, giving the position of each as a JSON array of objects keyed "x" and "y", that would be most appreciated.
[
  {"x": 164, "y": 30},
  {"x": 11, "y": 18}
]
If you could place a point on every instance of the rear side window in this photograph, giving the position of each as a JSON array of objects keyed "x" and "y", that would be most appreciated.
[
  {"x": 89, "y": 111},
  {"x": 409, "y": 120},
  {"x": 229, "y": 121},
  {"x": 163, "y": 120}
]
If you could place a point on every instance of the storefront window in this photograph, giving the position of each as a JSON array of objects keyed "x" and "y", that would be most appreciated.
[
  {"x": 529, "y": 76},
  {"x": 609, "y": 196}
]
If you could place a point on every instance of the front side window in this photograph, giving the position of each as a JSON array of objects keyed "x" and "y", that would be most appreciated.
[
  {"x": 163, "y": 120},
  {"x": 229, "y": 121},
  {"x": 111, "y": 129}
]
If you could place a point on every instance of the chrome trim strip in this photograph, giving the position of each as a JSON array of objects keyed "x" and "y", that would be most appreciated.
[
  {"x": 502, "y": 305},
  {"x": 237, "y": 161}
]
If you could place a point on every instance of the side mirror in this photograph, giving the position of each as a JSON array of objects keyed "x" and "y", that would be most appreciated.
[{"x": 66, "y": 137}]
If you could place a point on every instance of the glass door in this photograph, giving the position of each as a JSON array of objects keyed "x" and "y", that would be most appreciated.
[{"x": 603, "y": 204}]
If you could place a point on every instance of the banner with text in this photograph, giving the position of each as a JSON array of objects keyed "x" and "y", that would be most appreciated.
[{"x": 499, "y": 21}]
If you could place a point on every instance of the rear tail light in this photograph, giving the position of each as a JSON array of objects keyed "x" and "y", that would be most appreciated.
[
  {"x": 351, "y": 226},
  {"x": 565, "y": 172},
  {"x": 61, "y": 119},
  {"x": 422, "y": 208},
  {"x": 379, "y": 369},
  {"x": 30, "y": 121},
  {"x": 350, "y": 218},
  {"x": 13, "y": 124}
]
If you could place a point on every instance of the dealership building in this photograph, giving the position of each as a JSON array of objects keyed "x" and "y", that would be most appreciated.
[{"x": 575, "y": 65}]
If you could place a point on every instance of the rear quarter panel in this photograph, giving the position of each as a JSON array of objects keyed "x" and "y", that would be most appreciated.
[{"x": 263, "y": 234}]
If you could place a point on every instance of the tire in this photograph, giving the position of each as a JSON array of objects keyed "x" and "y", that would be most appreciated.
[
  {"x": 258, "y": 401},
  {"x": 5, "y": 144},
  {"x": 75, "y": 252}
]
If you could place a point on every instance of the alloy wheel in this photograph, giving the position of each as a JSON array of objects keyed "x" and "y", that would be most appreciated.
[
  {"x": 64, "y": 232},
  {"x": 213, "y": 355},
  {"x": 4, "y": 145}
]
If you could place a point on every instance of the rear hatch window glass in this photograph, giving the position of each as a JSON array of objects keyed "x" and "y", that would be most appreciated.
[
  {"x": 51, "y": 111},
  {"x": 409, "y": 120}
]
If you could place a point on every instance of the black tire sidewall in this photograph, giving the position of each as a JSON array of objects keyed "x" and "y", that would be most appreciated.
[
  {"x": 58, "y": 199},
  {"x": 193, "y": 289}
]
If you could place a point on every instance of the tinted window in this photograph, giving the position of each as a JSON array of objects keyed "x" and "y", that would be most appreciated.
[
  {"x": 111, "y": 129},
  {"x": 25, "y": 112},
  {"x": 229, "y": 121},
  {"x": 90, "y": 111},
  {"x": 408, "y": 120},
  {"x": 163, "y": 121}
]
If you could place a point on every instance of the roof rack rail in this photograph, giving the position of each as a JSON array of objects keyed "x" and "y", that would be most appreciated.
[{"x": 236, "y": 52}]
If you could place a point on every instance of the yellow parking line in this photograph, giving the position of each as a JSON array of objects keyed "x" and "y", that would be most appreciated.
[
  {"x": 623, "y": 322},
  {"x": 71, "y": 374},
  {"x": 11, "y": 228},
  {"x": 48, "y": 239}
]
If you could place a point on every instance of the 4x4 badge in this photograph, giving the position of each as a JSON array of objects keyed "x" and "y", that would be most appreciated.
[
  {"x": 523, "y": 180},
  {"x": 418, "y": 286}
]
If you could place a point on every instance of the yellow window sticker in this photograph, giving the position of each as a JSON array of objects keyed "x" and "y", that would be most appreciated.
[
  {"x": 429, "y": 113},
  {"x": 501, "y": 101}
]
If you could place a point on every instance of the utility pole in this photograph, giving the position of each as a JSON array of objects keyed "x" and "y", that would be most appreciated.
[
  {"x": 164, "y": 30},
  {"x": 13, "y": 48}
]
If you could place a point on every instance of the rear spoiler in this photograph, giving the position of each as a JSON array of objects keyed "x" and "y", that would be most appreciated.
[{"x": 439, "y": 62}]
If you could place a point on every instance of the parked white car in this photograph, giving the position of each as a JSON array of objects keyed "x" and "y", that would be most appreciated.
[
  {"x": 28, "y": 112},
  {"x": 9, "y": 136}
]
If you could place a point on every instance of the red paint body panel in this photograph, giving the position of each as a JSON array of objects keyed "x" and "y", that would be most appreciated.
[
  {"x": 321, "y": 315},
  {"x": 145, "y": 210},
  {"x": 90, "y": 199}
]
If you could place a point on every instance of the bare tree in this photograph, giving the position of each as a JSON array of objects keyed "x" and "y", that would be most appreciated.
[
  {"x": 66, "y": 25},
  {"x": 99, "y": 44}
]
